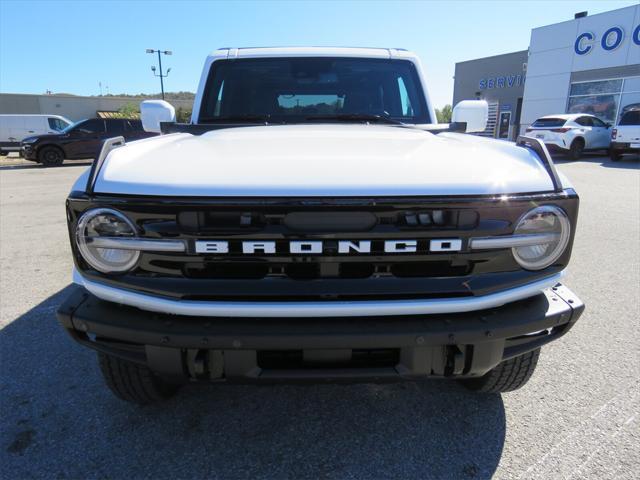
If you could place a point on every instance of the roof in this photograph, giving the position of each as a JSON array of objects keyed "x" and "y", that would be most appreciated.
[
  {"x": 31, "y": 115},
  {"x": 568, "y": 116},
  {"x": 588, "y": 18},
  {"x": 252, "y": 52},
  {"x": 522, "y": 53}
]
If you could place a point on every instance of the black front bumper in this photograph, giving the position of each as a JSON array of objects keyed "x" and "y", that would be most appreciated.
[
  {"x": 28, "y": 152},
  {"x": 367, "y": 348}
]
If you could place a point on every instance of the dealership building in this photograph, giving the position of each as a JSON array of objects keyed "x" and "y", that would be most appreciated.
[{"x": 590, "y": 64}]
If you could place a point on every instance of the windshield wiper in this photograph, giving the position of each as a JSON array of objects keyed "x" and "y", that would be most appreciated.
[
  {"x": 237, "y": 118},
  {"x": 355, "y": 117}
]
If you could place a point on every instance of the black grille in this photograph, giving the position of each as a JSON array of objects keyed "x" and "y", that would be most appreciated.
[
  {"x": 328, "y": 275},
  {"x": 316, "y": 269},
  {"x": 283, "y": 224},
  {"x": 323, "y": 222}
]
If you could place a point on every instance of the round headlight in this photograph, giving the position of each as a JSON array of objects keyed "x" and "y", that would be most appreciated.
[
  {"x": 549, "y": 229},
  {"x": 105, "y": 222}
]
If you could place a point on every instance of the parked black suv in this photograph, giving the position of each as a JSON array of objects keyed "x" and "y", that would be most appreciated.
[{"x": 80, "y": 140}]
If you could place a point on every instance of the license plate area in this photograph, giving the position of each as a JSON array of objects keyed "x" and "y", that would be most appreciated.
[{"x": 328, "y": 358}]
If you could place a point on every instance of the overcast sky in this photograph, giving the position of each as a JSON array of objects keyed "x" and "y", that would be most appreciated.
[{"x": 71, "y": 46}]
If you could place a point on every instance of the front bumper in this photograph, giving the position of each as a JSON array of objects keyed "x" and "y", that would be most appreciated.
[
  {"x": 28, "y": 152},
  {"x": 184, "y": 348},
  {"x": 314, "y": 309}
]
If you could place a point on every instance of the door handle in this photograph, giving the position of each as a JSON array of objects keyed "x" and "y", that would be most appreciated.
[{"x": 32, "y": 131}]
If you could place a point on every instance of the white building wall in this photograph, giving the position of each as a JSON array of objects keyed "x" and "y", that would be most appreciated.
[{"x": 552, "y": 58}]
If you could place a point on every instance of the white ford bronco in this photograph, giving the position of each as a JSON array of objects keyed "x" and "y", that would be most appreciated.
[{"x": 312, "y": 222}]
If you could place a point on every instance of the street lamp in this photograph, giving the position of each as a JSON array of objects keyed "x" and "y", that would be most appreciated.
[{"x": 153, "y": 68}]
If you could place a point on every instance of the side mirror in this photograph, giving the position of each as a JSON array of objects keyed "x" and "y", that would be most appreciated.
[
  {"x": 474, "y": 113},
  {"x": 153, "y": 112}
]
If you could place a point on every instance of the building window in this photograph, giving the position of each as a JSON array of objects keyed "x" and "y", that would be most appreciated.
[
  {"x": 596, "y": 88},
  {"x": 605, "y": 99}
]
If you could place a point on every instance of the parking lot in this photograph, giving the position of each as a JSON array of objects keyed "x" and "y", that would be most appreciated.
[{"x": 577, "y": 417}]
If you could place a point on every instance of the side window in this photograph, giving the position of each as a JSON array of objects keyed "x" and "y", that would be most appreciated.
[
  {"x": 585, "y": 121},
  {"x": 405, "y": 101},
  {"x": 217, "y": 108},
  {"x": 598, "y": 123},
  {"x": 92, "y": 126},
  {"x": 53, "y": 125},
  {"x": 56, "y": 124},
  {"x": 115, "y": 126}
]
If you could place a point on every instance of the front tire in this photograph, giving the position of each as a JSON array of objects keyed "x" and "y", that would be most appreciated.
[
  {"x": 576, "y": 149},
  {"x": 132, "y": 382},
  {"x": 507, "y": 376},
  {"x": 50, "y": 156}
]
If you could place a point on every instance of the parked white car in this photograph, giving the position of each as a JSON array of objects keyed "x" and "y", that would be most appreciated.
[
  {"x": 14, "y": 128},
  {"x": 571, "y": 133},
  {"x": 625, "y": 138}
]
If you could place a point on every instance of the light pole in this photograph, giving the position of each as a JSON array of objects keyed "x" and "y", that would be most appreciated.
[{"x": 153, "y": 68}]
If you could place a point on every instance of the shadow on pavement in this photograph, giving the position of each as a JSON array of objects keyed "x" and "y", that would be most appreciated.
[
  {"x": 59, "y": 420},
  {"x": 25, "y": 166}
]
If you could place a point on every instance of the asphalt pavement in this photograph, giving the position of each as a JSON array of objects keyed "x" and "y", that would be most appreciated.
[{"x": 577, "y": 417}]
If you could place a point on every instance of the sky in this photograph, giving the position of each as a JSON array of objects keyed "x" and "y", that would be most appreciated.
[{"x": 72, "y": 46}]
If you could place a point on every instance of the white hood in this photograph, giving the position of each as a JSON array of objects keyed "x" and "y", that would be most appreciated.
[{"x": 321, "y": 160}]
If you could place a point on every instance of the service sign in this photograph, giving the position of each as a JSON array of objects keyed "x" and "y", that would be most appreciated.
[{"x": 501, "y": 81}]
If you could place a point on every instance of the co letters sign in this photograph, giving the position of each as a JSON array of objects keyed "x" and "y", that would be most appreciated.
[{"x": 610, "y": 40}]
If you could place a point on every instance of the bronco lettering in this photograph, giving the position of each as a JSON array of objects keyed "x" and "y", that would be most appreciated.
[{"x": 252, "y": 247}]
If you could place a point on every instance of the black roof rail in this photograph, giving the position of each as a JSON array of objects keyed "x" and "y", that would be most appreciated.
[
  {"x": 453, "y": 127},
  {"x": 107, "y": 145},
  {"x": 541, "y": 150}
]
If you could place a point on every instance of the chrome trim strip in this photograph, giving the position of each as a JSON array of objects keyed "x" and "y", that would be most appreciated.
[
  {"x": 327, "y": 308},
  {"x": 511, "y": 241},
  {"x": 143, "y": 244}
]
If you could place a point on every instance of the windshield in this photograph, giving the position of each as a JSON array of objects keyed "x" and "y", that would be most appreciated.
[
  {"x": 630, "y": 118},
  {"x": 72, "y": 126},
  {"x": 549, "y": 122},
  {"x": 313, "y": 89}
]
